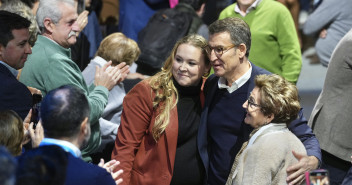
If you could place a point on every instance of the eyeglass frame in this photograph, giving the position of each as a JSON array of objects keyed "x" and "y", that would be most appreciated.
[
  {"x": 209, "y": 49},
  {"x": 251, "y": 103}
]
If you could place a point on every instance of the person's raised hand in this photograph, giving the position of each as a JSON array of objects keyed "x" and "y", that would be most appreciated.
[
  {"x": 82, "y": 21},
  {"x": 107, "y": 76},
  {"x": 37, "y": 134},
  {"x": 125, "y": 70}
]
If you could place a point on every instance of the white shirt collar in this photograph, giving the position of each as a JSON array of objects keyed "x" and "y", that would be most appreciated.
[
  {"x": 249, "y": 9},
  {"x": 222, "y": 84},
  {"x": 12, "y": 70},
  {"x": 65, "y": 145}
]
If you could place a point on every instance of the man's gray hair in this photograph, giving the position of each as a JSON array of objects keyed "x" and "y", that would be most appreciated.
[
  {"x": 237, "y": 28},
  {"x": 49, "y": 9}
]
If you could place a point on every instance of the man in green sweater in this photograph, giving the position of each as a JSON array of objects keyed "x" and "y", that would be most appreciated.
[
  {"x": 275, "y": 44},
  {"x": 50, "y": 65}
]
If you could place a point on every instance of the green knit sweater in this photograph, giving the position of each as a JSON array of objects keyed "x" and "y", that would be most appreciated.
[
  {"x": 275, "y": 46},
  {"x": 49, "y": 67}
]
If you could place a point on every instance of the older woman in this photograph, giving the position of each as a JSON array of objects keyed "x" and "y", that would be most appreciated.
[
  {"x": 156, "y": 141},
  {"x": 116, "y": 48},
  {"x": 272, "y": 104}
]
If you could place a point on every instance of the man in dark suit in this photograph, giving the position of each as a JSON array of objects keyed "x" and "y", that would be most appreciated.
[
  {"x": 64, "y": 114},
  {"x": 14, "y": 49},
  {"x": 222, "y": 130}
]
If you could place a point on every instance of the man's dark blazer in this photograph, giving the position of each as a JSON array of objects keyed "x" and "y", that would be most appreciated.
[
  {"x": 82, "y": 173},
  {"x": 13, "y": 94},
  {"x": 299, "y": 126},
  {"x": 60, "y": 166}
]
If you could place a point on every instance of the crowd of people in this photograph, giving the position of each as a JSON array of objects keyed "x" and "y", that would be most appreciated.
[{"x": 223, "y": 108}]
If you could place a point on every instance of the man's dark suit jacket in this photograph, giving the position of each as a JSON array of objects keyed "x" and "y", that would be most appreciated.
[
  {"x": 53, "y": 163},
  {"x": 13, "y": 94},
  {"x": 82, "y": 173},
  {"x": 298, "y": 127}
]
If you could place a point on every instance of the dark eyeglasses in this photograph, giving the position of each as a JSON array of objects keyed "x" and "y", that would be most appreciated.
[
  {"x": 251, "y": 103},
  {"x": 218, "y": 50}
]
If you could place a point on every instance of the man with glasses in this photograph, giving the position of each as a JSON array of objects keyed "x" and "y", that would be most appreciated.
[
  {"x": 274, "y": 37},
  {"x": 222, "y": 130}
]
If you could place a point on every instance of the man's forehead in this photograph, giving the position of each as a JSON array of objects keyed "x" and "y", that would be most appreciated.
[
  {"x": 20, "y": 34},
  {"x": 68, "y": 12},
  {"x": 220, "y": 39}
]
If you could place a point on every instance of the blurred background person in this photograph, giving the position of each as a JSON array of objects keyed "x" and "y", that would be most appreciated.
[
  {"x": 156, "y": 141},
  {"x": 7, "y": 167},
  {"x": 154, "y": 39},
  {"x": 330, "y": 21},
  {"x": 15, "y": 132},
  {"x": 275, "y": 45},
  {"x": 264, "y": 158}
]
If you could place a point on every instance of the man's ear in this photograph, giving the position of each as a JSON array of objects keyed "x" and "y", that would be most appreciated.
[
  {"x": 49, "y": 25},
  {"x": 2, "y": 48},
  {"x": 242, "y": 50},
  {"x": 84, "y": 127}
]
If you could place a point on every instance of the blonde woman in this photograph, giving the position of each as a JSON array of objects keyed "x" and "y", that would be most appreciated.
[{"x": 156, "y": 141}]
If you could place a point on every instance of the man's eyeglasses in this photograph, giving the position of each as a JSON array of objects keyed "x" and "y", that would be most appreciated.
[
  {"x": 218, "y": 50},
  {"x": 251, "y": 103}
]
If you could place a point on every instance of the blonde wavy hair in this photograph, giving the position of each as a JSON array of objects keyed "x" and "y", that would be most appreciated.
[
  {"x": 278, "y": 97},
  {"x": 162, "y": 85}
]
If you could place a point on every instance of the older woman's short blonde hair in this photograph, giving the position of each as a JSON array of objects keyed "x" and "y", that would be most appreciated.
[
  {"x": 278, "y": 97},
  {"x": 118, "y": 48},
  {"x": 11, "y": 131}
]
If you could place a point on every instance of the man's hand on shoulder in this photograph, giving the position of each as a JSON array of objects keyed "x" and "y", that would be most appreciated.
[{"x": 295, "y": 173}]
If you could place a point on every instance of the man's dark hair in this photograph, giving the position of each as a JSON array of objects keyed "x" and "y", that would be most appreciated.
[
  {"x": 196, "y": 4},
  {"x": 46, "y": 165},
  {"x": 8, "y": 22},
  {"x": 63, "y": 110}
]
